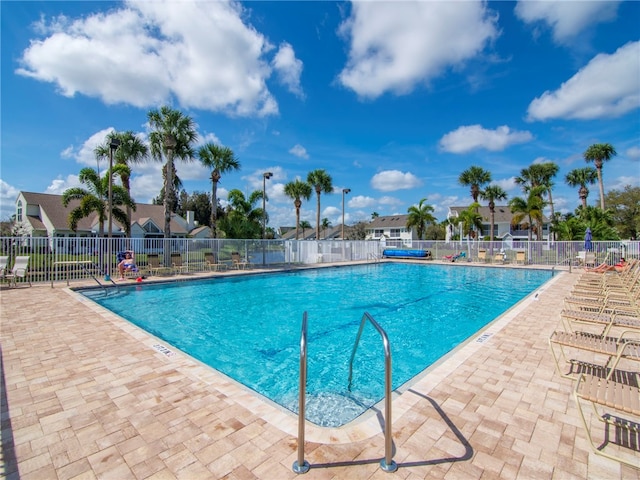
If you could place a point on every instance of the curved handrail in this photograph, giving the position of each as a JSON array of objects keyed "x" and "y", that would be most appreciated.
[
  {"x": 387, "y": 463},
  {"x": 301, "y": 465}
]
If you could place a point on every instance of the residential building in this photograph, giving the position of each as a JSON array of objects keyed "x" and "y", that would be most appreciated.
[
  {"x": 502, "y": 228},
  {"x": 330, "y": 233},
  {"x": 392, "y": 228},
  {"x": 44, "y": 215}
]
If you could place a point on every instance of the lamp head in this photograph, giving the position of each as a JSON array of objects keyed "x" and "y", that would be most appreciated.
[
  {"x": 346, "y": 190},
  {"x": 115, "y": 143},
  {"x": 267, "y": 174}
]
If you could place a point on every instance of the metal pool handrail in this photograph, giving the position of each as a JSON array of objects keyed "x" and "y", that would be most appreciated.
[
  {"x": 387, "y": 464},
  {"x": 301, "y": 465}
]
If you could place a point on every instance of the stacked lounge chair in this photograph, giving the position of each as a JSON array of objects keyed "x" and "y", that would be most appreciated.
[{"x": 601, "y": 327}]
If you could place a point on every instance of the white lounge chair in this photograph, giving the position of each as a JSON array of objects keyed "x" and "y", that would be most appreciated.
[
  {"x": 20, "y": 270},
  {"x": 4, "y": 262}
]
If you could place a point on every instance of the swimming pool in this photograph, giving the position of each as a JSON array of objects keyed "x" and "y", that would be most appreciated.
[{"x": 248, "y": 327}]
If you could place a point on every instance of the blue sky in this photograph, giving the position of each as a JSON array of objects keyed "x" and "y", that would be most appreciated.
[{"x": 393, "y": 99}]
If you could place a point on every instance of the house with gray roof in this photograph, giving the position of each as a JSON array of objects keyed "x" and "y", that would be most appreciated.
[
  {"x": 391, "y": 227},
  {"x": 44, "y": 215},
  {"x": 502, "y": 228},
  {"x": 331, "y": 233}
]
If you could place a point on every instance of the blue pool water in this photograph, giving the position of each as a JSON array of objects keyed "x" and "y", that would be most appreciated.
[{"x": 249, "y": 327}]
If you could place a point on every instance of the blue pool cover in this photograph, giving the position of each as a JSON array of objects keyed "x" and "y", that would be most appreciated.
[{"x": 396, "y": 252}]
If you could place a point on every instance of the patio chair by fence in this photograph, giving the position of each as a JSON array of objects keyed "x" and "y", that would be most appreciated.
[
  {"x": 176, "y": 263},
  {"x": 20, "y": 270}
]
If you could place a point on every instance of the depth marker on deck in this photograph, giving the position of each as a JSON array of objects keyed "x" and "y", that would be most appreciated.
[
  {"x": 484, "y": 337},
  {"x": 164, "y": 350}
]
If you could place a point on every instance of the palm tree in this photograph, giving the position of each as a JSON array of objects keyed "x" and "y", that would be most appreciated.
[
  {"x": 549, "y": 170},
  {"x": 325, "y": 224},
  {"x": 475, "y": 177},
  {"x": 471, "y": 220},
  {"x": 132, "y": 150},
  {"x": 419, "y": 216},
  {"x": 172, "y": 135},
  {"x": 491, "y": 194},
  {"x": 220, "y": 160},
  {"x": 297, "y": 190},
  {"x": 94, "y": 199},
  {"x": 582, "y": 177},
  {"x": 539, "y": 174},
  {"x": 531, "y": 209},
  {"x": 600, "y": 222},
  {"x": 598, "y": 153},
  {"x": 174, "y": 200},
  {"x": 243, "y": 219},
  {"x": 570, "y": 229},
  {"x": 304, "y": 225},
  {"x": 321, "y": 182}
]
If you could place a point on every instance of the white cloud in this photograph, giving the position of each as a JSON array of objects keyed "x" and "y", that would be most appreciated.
[
  {"x": 59, "y": 185},
  {"x": 144, "y": 188},
  {"x": 507, "y": 184},
  {"x": 566, "y": 19},
  {"x": 84, "y": 154},
  {"x": 391, "y": 180},
  {"x": 299, "y": 151},
  {"x": 331, "y": 212},
  {"x": 393, "y": 46},
  {"x": 361, "y": 201},
  {"x": 608, "y": 86},
  {"x": 145, "y": 53},
  {"x": 256, "y": 178},
  {"x": 289, "y": 69},
  {"x": 390, "y": 201},
  {"x": 8, "y": 196},
  {"x": 473, "y": 137},
  {"x": 633, "y": 153},
  {"x": 621, "y": 182},
  {"x": 208, "y": 138}
]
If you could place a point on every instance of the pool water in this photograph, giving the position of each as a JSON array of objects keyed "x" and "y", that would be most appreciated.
[{"x": 248, "y": 327}]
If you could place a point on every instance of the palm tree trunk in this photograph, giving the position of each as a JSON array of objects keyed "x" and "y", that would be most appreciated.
[
  {"x": 492, "y": 216},
  {"x": 553, "y": 234},
  {"x": 214, "y": 209},
  {"x": 297, "y": 203},
  {"x": 318, "y": 216},
  {"x": 168, "y": 195},
  {"x": 600, "y": 184}
]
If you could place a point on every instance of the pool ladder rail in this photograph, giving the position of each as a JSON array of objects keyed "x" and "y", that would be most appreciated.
[
  {"x": 374, "y": 257},
  {"x": 92, "y": 274},
  {"x": 387, "y": 464}
]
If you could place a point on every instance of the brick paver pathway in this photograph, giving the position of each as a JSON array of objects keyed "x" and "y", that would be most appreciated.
[{"x": 86, "y": 395}]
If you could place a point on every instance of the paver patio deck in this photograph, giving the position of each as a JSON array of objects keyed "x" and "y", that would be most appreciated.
[{"x": 85, "y": 394}]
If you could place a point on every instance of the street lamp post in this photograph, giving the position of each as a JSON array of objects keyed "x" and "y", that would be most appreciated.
[
  {"x": 113, "y": 146},
  {"x": 265, "y": 176},
  {"x": 344, "y": 191}
]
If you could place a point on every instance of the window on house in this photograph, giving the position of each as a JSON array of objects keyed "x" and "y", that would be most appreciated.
[
  {"x": 395, "y": 232},
  {"x": 19, "y": 211},
  {"x": 378, "y": 232},
  {"x": 151, "y": 228}
]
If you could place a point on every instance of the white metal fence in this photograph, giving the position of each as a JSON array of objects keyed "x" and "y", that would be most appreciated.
[{"x": 47, "y": 254}]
